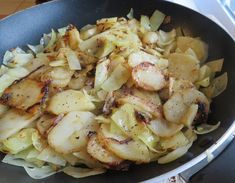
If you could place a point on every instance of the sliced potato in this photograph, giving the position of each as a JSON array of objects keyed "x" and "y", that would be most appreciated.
[
  {"x": 125, "y": 149},
  {"x": 198, "y": 46},
  {"x": 139, "y": 57},
  {"x": 70, "y": 134},
  {"x": 163, "y": 128},
  {"x": 141, "y": 104},
  {"x": 24, "y": 94},
  {"x": 184, "y": 66},
  {"x": 13, "y": 121},
  {"x": 97, "y": 151},
  {"x": 174, "y": 141},
  {"x": 44, "y": 123},
  {"x": 57, "y": 76},
  {"x": 177, "y": 105},
  {"x": 142, "y": 73},
  {"x": 69, "y": 100}
]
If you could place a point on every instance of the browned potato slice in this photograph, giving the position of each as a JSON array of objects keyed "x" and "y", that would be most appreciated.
[
  {"x": 133, "y": 150},
  {"x": 148, "y": 77},
  {"x": 163, "y": 128},
  {"x": 97, "y": 151},
  {"x": 13, "y": 121},
  {"x": 126, "y": 149},
  {"x": 24, "y": 94},
  {"x": 44, "y": 123},
  {"x": 175, "y": 108},
  {"x": 71, "y": 133},
  {"x": 183, "y": 66}
]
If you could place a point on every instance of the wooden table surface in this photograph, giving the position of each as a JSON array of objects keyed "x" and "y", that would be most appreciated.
[{"x": 8, "y": 7}]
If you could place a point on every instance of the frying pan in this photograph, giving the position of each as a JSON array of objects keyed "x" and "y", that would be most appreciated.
[{"x": 28, "y": 26}]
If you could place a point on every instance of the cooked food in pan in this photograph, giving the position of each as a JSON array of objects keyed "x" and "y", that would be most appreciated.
[{"x": 107, "y": 96}]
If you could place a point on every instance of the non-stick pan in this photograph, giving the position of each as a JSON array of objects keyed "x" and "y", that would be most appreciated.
[{"x": 28, "y": 26}]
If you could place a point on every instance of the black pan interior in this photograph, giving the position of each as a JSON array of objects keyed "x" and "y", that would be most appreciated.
[{"x": 28, "y": 26}]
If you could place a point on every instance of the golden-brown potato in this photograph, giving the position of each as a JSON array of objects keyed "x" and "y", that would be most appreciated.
[
  {"x": 24, "y": 94},
  {"x": 121, "y": 146},
  {"x": 99, "y": 152},
  {"x": 44, "y": 123}
]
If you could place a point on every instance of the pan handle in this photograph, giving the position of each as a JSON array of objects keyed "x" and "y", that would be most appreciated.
[{"x": 210, "y": 154}]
